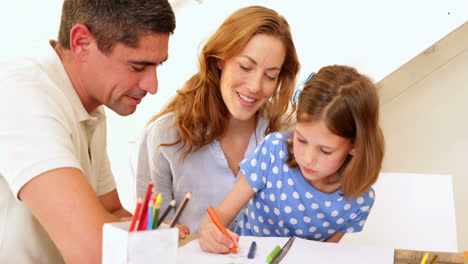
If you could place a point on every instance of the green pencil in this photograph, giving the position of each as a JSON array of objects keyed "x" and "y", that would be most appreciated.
[
  {"x": 273, "y": 254},
  {"x": 166, "y": 212}
]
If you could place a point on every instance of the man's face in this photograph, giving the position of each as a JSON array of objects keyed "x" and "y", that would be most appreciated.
[{"x": 121, "y": 79}]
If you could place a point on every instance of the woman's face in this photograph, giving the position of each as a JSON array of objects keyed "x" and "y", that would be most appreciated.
[{"x": 250, "y": 78}]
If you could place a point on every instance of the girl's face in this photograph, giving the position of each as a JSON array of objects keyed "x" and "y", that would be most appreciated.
[
  {"x": 318, "y": 152},
  {"x": 250, "y": 78}
]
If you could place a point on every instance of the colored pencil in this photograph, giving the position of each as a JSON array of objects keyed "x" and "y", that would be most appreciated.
[
  {"x": 251, "y": 254},
  {"x": 144, "y": 211},
  {"x": 273, "y": 254},
  {"x": 135, "y": 214},
  {"x": 166, "y": 212},
  {"x": 157, "y": 207},
  {"x": 154, "y": 194},
  {"x": 423, "y": 261},
  {"x": 219, "y": 224},
  {"x": 180, "y": 209},
  {"x": 150, "y": 215}
]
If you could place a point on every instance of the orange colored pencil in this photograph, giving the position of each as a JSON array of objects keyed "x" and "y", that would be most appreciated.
[
  {"x": 135, "y": 215},
  {"x": 221, "y": 227}
]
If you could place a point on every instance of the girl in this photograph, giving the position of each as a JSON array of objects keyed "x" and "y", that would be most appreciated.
[
  {"x": 241, "y": 93},
  {"x": 316, "y": 183}
]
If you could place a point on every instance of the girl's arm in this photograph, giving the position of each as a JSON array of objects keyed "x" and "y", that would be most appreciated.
[
  {"x": 335, "y": 237},
  {"x": 209, "y": 236}
]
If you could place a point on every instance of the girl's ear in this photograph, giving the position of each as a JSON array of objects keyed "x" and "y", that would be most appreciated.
[
  {"x": 220, "y": 64},
  {"x": 352, "y": 151}
]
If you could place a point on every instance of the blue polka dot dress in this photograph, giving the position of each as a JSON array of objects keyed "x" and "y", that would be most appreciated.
[{"x": 285, "y": 204}]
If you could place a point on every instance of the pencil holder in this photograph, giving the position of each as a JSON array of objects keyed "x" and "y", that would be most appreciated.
[{"x": 149, "y": 246}]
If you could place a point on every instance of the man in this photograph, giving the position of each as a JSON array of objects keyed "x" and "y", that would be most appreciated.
[{"x": 56, "y": 186}]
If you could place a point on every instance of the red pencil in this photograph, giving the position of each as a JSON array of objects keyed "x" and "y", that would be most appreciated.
[
  {"x": 135, "y": 215},
  {"x": 221, "y": 227},
  {"x": 144, "y": 211}
]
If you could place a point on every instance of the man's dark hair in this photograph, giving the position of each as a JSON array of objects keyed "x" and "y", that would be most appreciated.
[{"x": 116, "y": 21}]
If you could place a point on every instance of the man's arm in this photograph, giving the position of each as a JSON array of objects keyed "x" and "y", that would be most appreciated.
[
  {"x": 69, "y": 210},
  {"x": 111, "y": 203}
]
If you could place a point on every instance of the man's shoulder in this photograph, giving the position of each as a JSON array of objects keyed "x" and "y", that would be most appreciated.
[
  {"x": 20, "y": 70},
  {"x": 35, "y": 97}
]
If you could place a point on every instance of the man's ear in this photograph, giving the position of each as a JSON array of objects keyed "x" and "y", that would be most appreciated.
[
  {"x": 80, "y": 41},
  {"x": 220, "y": 64}
]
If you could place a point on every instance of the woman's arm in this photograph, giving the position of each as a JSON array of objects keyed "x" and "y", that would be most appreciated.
[{"x": 209, "y": 236}]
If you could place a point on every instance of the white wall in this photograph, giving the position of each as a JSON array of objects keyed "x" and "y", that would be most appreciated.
[
  {"x": 375, "y": 36},
  {"x": 425, "y": 123}
]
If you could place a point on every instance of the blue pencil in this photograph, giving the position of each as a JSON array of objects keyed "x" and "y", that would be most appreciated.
[{"x": 150, "y": 215}]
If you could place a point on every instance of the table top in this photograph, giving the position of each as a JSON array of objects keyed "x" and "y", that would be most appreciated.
[{"x": 402, "y": 256}]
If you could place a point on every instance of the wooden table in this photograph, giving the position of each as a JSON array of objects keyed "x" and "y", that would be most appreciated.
[{"x": 402, "y": 256}]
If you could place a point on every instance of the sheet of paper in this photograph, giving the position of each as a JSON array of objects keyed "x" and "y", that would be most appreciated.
[
  {"x": 411, "y": 211},
  {"x": 314, "y": 252},
  {"x": 337, "y": 253}
]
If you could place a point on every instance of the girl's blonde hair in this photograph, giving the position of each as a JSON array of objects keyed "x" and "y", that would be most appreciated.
[
  {"x": 349, "y": 105},
  {"x": 200, "y": 111}
]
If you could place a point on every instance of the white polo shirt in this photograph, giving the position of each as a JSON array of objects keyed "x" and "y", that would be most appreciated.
[{"x": 43, "y": 126}]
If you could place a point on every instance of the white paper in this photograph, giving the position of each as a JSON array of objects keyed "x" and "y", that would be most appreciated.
[
  {"x": 411, "y": 211},
  {"x": 306, "y": 251},
  {"x": 153, "y": 246},
  {"x": 302, "y": 251}
]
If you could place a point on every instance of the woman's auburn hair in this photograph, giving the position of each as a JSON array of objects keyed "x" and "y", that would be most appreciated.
[
  {"x": 348, "y": 103},
  {"x": 199, "y": 108}
]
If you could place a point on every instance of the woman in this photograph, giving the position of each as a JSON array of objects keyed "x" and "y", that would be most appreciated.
[{"x": 246, "y": 77}]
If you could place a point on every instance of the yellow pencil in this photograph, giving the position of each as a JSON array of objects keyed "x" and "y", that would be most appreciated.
[
  {"x": 156, "y": 214},
  {"x": 423, "y": 261},
  {"x": 153, "y": 197}
]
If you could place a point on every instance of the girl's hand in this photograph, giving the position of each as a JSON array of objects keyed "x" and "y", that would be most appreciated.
[
  {"x": 214, "y": 241},
  {"x": 211, "y": 239}
]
